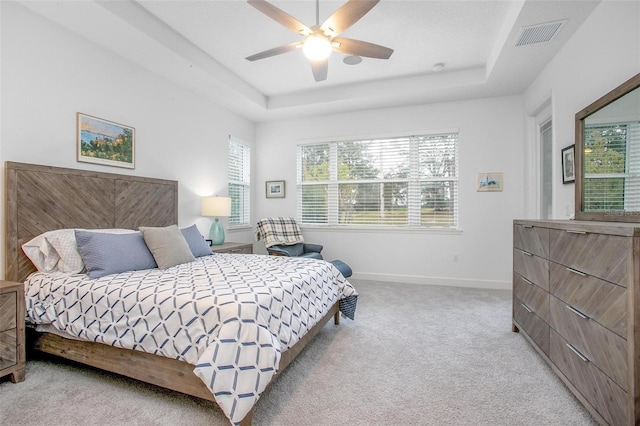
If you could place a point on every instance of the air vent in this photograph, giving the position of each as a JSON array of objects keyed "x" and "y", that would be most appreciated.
[{"x": 540, "y": 33}]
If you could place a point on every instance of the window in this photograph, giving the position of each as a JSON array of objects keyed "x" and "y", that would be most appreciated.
[
  {"x": 239, "y": 182},
  {"x": 401, "y": 181},
  {"x": 546, "y": 148},
  {"x": 611, "y": 167}
]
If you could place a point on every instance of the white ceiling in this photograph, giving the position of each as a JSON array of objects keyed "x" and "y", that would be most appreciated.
[{"x": 201, "y": 45}]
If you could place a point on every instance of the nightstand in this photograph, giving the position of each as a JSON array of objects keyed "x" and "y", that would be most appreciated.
[
  {"x": 12, "y": 345},
  {"x": 244, "y": 248}
]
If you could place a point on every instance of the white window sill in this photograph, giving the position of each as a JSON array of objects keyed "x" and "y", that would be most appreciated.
[{"x": 382, "y": 229}]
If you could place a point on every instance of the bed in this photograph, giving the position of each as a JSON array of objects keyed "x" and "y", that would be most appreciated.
[{"x": 40, "y": 199}]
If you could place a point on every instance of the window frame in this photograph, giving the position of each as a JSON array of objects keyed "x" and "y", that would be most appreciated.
[
  {"x": 627, "y": 177},
  {"x": 412, "y": 220},
  {"x": 246, "y": 185}
]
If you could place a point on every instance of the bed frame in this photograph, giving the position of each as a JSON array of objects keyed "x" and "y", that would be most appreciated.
[{"x": 43, "y": 198}]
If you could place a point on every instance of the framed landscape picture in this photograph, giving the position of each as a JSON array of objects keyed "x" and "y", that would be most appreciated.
[
  {"x": 489, "y": 182},
  {"x": 105, "y": 142},
  {"x": 275, "y": 188}
]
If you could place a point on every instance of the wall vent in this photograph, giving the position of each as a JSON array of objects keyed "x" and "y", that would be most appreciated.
[{"x": 540, "y": 33}]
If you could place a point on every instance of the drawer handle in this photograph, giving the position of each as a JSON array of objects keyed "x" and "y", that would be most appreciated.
[
  {"x": 582, "y": 274},
  {"x": 526, "y": 308},
  {"x": 577, "y": 352},
  {"x": 527, "y": 226},
  {"x": 577, "y": 312},
  {"x": 527, "y": 253},
  {"x": 572, "y": 231},
  {"x": 527, "y": 281}
]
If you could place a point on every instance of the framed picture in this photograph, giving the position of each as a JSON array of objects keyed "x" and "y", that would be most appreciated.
[
  {"x": 105, "y": 142},
  {"x": 489, "y": 182},
  {"x": 568, "y": 164},
  {"x": 275, "y": 189}
]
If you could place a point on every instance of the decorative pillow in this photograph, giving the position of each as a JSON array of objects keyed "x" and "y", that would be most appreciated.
[
  {"x": 105, "y": 254},
  {"x": 56, "y": 251},
  {"x": 168, "y": 246},
  {"x": 198, "y": 245}
]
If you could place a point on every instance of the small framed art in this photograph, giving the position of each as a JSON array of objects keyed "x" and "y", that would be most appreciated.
[
  {"x": 105, "y": 142},
  {"x": 568, "y": 164},
  {"x": 275, "y": 188},
  {"x": 489, "y": 182}
]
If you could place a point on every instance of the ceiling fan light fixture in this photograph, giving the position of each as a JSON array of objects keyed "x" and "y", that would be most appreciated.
[{"x": 316, "y": 47}]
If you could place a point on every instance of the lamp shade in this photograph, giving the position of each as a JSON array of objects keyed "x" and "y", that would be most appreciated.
[{"x": 216, "y": 206}]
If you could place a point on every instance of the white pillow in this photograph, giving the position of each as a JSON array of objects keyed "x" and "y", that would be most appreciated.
[
  {"x": 41, "y": 253},
  {"x": 56, "y": 251}
]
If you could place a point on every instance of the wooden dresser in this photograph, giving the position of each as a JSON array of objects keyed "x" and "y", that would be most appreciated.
[
  {"x": 12, "y": 346},
  {"x": 576, "y": 297}
]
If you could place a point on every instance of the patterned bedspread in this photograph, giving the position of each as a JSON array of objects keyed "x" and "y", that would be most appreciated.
[{"x": 231, "y": 315}]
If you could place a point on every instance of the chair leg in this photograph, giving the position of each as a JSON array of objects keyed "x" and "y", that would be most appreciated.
[{"x": 336, "y": 318}]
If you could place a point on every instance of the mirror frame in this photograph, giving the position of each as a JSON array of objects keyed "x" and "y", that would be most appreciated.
[{"x": 626, "y": 216}]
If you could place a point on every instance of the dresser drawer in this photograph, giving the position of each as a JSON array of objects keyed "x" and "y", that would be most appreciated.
[
  {"x": 8, "y": 349},
  {"x": 8, "y": 305},
  {"x": 533, "y": 268},
  {"x": 531, "y": 239},
  {"x": 602, "y": 347},
  {"x": 532, "y": 324},
  {"x": 235, "y": 248},
  {"x": 600, "y": 300},
  {"x": 241, "y": 250},
  {"x": 531, "y": 295},
  {"x": 609, "y": 399},
  {"x": 608, "y": 257}
]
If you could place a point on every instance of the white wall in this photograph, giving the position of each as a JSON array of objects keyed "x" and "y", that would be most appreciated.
[
  {"x": 49, "y": 73},
  {"x": 602, "y": 54},
  {"x": 490, "y": 138}
]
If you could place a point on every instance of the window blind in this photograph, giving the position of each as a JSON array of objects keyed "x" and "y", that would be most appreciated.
[
  {"x": 399, "y": 181},
  {"x": 611, "y": 167},
  {"x": 239, "y": 182}
]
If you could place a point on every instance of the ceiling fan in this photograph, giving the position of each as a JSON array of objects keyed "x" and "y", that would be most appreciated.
[{"x": 320, "y": 40}]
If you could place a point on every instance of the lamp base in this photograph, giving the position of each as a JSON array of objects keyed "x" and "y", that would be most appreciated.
[{"x": 216, "y": 233}]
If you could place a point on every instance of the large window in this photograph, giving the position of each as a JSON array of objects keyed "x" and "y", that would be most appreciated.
[
  {"x": 239, "y": 182},
  {"x": 611, "y": 167},
  {"x": 401, "y": 181}
]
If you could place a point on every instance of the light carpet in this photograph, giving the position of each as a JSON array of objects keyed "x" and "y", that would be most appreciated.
[{"x": 415, "y": 355}]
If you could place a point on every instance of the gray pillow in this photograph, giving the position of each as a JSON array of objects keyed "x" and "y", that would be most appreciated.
[
  {"x": 168, "y": 246},
  {"x": 198, "y": 245},
  {"x": 105, "y": 254}
]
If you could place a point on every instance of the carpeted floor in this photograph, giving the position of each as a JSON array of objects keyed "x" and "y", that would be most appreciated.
[{"x": 415, "y": 355}]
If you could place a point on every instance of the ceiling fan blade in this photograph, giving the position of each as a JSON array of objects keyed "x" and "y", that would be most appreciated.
[
  {"x": 361, "y": 48},
  {"x": 348, "y": 14},
  {"x": 275, "y": 51},
  {"x": 320, "y": 69},
  {"x": 280, "y": 16}
]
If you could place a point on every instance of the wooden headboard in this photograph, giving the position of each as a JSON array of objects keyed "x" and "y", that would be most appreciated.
[{"x": 44, "y": 198}]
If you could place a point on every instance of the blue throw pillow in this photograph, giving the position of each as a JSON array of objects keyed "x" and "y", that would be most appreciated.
[
  {"x": 105, "y": 254},
  {"x": 198, "y": 245}
]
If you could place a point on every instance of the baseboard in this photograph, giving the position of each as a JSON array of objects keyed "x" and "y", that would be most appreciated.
[{"x": 443, "y": 281}]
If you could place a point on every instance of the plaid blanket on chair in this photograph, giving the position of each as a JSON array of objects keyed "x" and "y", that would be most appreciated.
[{"x": 279, "y": 230}]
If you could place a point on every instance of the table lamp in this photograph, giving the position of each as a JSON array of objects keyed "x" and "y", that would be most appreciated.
[{"x": 216, "y": 207}]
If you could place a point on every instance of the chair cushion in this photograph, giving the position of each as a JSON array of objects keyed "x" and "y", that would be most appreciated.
[{"x": 294, "y": 250}]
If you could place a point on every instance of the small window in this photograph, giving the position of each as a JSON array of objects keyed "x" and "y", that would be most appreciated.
[
  {"x": 400, "y": 181},
  {"x": 239, "y": 183},
  {"x": 611, "y": 167}
]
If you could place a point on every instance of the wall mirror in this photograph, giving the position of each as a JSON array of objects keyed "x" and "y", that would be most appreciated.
[{"x": 607, "y": 156}]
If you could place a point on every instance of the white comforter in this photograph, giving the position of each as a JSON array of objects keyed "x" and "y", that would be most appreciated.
[{"x": 230, "y": 315}]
